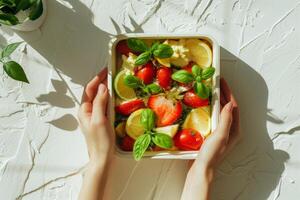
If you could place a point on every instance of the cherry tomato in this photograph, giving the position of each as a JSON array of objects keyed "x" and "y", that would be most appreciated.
[
  {"x": 188, "y": 140},
  {"x": 191, "y": 99},
  {"x": 146, "y": 73},
  {"x": 128, "y": 107},
  {"x": 127, "y": 143}
]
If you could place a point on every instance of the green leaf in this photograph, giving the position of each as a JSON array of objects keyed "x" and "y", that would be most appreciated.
[
  {"x": 148, "y": 119},
  {"x": 196, "y": 70},
  {"x": 162, "y": 140},
  {"x": 153, "y": 88},
  {"x": 8, "y": 3},
  {"x": 15, "y": 71},
  {"x": 201, "y": 90},
  {"x": 154, "y": 46},
  {"x": 208, "y": 73},
  {"x": 137, "y": 45},
  {"x": 23, "y": 5},
  {"x": 132, "y": 81},
  {"x": 163, "y": 51},
  {"x": 8, "y": 19},
  {"x": 141, "y": 145},
  {"x": 9, "y": 49},
  {"x": 36, "y": 10},
  {"x": 182, "y": 76},
  {"x": 143, "y": 58}
]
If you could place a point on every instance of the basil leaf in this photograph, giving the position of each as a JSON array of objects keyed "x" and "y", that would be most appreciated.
[
  {"x": 208, "y": 73},
  {"x": 147, "y": 119},
  {"x": 8, "y": 19},
  {"x": 132, "y": 81},
  {"x": 8, "y": 3},
  {"x": 196, "y": 70},
  {"x": 201, "y": 90},
  {"x": 182, "y": 76},
  {"x": 141, "y": 145},
  {"x": 137, "y": 45},
  {"x": 163, "y": 51},
  {"x": 15, "y": 71},
  {"x": 143, "y": 58},
  {"x": 154, "y": 46},
  {"x": 162, "y": 140},
  {"x": 24, "y": 4},
  {"x": 9, "y": 49},
  {"x": 37, "y": 10},
  {"x": 153, "y": 88}
]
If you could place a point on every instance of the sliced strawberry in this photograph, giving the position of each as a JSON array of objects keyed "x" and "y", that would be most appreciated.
[
  {"x": 146, "y": 73},
  {"x": 128, "y": 107},
  {"x": 188, "y": 67},
  {"x": 127, "y": 143},
  {"x": 123, "y": 48},
  {"x": 163, "y": 76},
  {"x": 193, "y": 100},
  {"x": 167, "y": 111}
]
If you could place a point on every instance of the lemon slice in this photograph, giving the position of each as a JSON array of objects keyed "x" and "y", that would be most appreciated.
[
  {"x": 120, "y": 129},
  {"x": 134, "y": 128},
  {"x": 123, "y": 91},
  {"x": 199, "y": 120},
  {"x": 164, "y": 61},
  {"x": 200, "y": 52},
  {"x": 168, "y": 130}
]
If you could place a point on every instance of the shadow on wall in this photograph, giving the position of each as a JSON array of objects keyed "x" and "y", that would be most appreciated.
[{"x": 254, "y": 168}]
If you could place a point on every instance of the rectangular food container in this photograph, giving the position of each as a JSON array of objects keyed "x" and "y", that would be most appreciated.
[{"x": 215, "y": 104}]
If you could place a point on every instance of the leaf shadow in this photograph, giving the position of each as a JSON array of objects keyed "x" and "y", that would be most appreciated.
[
  {"x": 67, "y": 122},
  {"x": 58, "y": 98}
]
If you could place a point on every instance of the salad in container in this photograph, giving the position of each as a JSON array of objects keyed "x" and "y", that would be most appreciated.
[{"x": 165, "y": 94}]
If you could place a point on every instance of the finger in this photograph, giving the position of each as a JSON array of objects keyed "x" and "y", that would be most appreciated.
[
  {"x": 225, "y": 121},
  {"x": 92, "y": 87},
  {"x": 227, "y": 92},
  {"x": 222, "y": 99},
  {"x": 100, "y": 104}
]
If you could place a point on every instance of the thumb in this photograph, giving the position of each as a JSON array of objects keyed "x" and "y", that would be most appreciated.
[
  {"x": 99, "y": 104},
  {"x": 225, "y": 120}
]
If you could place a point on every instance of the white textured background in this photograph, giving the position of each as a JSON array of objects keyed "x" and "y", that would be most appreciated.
[{"x": 42, "y": 151}]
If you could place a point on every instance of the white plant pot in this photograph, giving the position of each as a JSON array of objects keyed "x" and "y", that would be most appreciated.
[{"x": 27, "y": 24}]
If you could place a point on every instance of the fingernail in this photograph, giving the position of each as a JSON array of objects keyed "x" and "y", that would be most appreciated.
[
  {"x": 229, "y": 106},
  {"x": 101, "y": 88}
]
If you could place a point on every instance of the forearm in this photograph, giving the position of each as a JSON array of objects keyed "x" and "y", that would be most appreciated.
[
  {"x": 94, "y": 180},
  {"x": 197, "y": 185}
]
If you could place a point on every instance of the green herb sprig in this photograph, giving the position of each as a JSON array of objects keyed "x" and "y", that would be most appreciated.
[
  {"x": 197, "y": 76},
  {"x": 136, "y": 83},
  {"x": 142, "y": 143},
  {"x": 156, "y": 50},
  {"x": 9, "y": 8},
  {"x": 12, "y": 68}
]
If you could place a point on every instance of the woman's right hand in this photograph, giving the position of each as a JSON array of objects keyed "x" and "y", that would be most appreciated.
[{"x": 214, "y": 148}]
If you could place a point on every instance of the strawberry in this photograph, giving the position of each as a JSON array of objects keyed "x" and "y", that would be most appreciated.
[
  {"x": 191, "y": 99},
  {"x": 163, "y": 76},
  {"x": 123, "y": 48},
  {"x": 128, "y": 107},
  {"x": 167, "y": 111},
  {"x": 146, "y": 73},
  {"x": 127, "y": 143}
]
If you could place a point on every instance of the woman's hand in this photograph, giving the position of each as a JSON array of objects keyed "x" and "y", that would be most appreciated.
[
  {"x": 93, "y": 120},
  {"x": 98, "y": 135},
  {"x": 214, "y": 148}
]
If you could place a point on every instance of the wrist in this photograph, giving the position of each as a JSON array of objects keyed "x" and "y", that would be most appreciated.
[{"x": 205, "y": 173}]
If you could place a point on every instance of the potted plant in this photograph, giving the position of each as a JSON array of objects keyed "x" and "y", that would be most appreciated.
[{"x": 22, "y": 15}]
